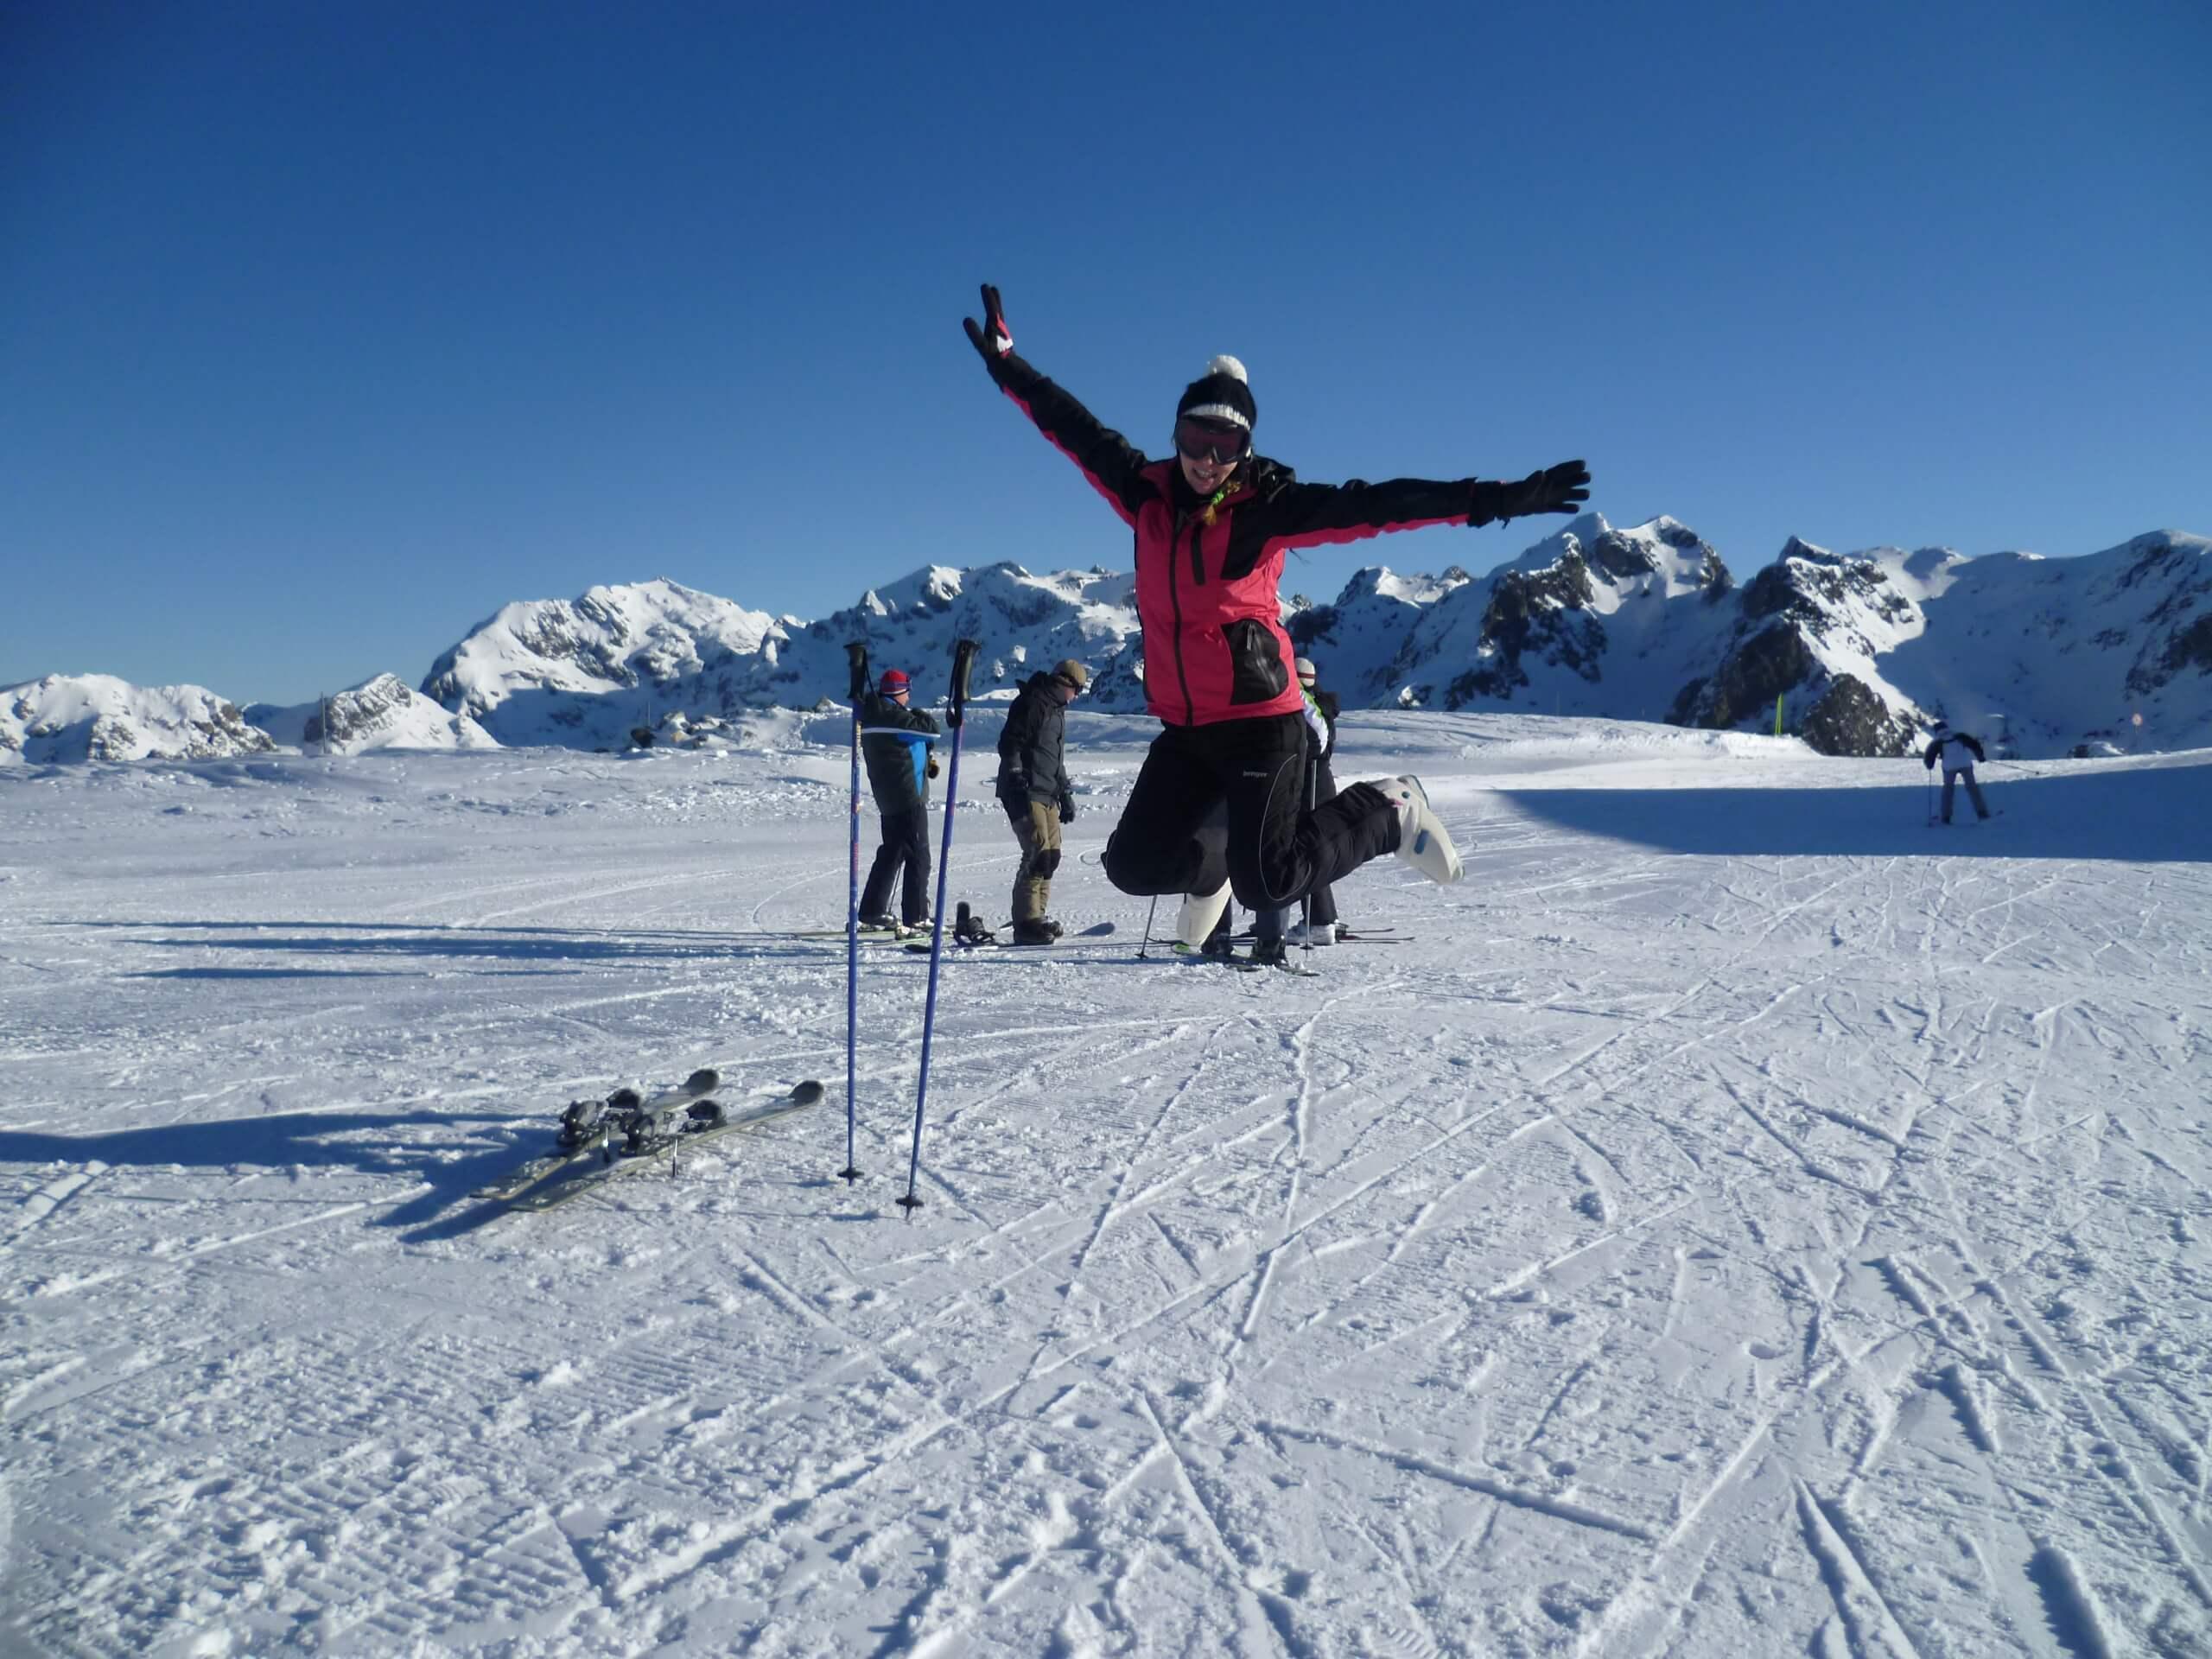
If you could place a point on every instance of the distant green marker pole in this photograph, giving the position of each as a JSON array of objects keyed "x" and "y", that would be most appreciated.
[{"x": 1778, "y": 716}]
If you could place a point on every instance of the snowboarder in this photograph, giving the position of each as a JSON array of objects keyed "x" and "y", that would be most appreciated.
[
  {"x": 1212, "y": 525},
  {"x": 901, "y": 760},
  {"x": 1033, "y": 786},
  {"x": 1958, "y": 751}
]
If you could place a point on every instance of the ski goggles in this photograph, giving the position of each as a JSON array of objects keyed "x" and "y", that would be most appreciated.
[{"x": 1224, "y": 445}]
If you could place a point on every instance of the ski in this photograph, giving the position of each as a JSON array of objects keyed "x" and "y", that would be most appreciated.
[
  {"x": 1199, "y": 959},
  {"x": 981, "y": 936},
  {"x": 869, "y": 935},
  {"x": 655, "y": 1132},
  {"x": 588, "y": 1126}
]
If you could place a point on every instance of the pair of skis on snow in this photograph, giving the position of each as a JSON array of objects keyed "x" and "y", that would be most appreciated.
[{"x": 625, "y": 1133}]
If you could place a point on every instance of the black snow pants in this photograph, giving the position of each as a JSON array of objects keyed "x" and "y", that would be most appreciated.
[
  {"x": 1272, "y": 849},
  {"x": 1324, "y": 898},
  {"x": 906, "y": 841}
]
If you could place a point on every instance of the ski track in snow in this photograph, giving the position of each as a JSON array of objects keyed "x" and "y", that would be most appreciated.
[{"x": 1684, "y": 1247}]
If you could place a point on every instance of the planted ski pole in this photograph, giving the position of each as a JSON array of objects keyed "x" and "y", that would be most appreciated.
[
  {"x": 963, "y": 659},
  {"x": 1145, "y": 944},
  {"x": 1312, "y": 795},
  {"x": 856, "y": 661}
]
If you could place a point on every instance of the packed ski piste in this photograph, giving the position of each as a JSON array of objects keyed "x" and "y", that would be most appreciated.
[{"x": 969, "y": 1173}]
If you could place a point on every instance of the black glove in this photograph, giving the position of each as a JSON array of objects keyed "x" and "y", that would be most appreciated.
[
  {"x": 1067, "y": 809},
  {"x": 932, "y": 767},
  {"x": 1929, "y": 763},
  {"x": 993, "y": 340},
  {"x": 1562, "y": 488}
]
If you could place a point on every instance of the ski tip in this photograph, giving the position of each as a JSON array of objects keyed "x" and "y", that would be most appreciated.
[
  {"x": 807, "y": 1092},
  {"x": 704, "y": 1081}
]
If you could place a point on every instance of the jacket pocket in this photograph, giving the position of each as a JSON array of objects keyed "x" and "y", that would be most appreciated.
[{"x": 1256, "y": 673}]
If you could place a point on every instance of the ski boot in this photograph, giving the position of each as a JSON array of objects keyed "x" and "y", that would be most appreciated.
[{"x": 1423, "y": 841}]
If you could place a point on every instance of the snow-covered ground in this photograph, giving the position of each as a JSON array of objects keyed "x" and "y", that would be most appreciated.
[{"x": 1740, "y": 1220}]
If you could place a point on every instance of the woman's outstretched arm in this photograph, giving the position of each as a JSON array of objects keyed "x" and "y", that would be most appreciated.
[
  {"x": 1311, "y": 515},
  {"x": 1106, "y": 458}
]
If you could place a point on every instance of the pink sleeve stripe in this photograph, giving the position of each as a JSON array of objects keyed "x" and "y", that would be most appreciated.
[
  {"x": 1097, "y": 483},
  {"x": 1343, "y": 533}
]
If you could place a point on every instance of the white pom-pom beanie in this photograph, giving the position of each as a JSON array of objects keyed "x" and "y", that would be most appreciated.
[{"x": 1222, "y": 393}]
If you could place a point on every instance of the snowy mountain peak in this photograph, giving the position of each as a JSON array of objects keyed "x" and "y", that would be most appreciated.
[
  {"x": 379, "y": 713},
  {"x": 1854, "y": 652},
  {"x": 66, "y": 718},
  {"x": 571, "y": 660}
]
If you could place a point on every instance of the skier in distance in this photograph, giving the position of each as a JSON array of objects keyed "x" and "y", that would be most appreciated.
[
  {"x": 1958, "y": 751},
  {"x": 1212, "y": 524}
]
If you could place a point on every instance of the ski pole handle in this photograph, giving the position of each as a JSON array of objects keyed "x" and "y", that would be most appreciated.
[
  {"x": 963, "y": 660},
  {"x": 856, "y": 660}
]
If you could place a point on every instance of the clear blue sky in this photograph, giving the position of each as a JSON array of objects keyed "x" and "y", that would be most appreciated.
[{"x": 325, "y": 329}]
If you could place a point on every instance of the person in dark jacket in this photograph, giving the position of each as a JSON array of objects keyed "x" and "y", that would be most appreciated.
[
  {"x": 1033, "y": 786},
  {"x": 1958, "y": 751},
  {"x": 1212, "y": 525},
  {"x": 895, "y": 743}
]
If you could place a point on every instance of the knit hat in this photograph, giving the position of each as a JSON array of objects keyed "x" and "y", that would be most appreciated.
[
  {"x": 1305, "y": 667},
  {"x": 1222, "y": 394},
  {"x": 1072, "y": 672},
  {"x": 892, "y": 682}
]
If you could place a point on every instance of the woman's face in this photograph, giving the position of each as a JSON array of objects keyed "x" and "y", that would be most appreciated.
[
  {"x": 1210, "y": 451},
  {"x": 1205, "y": 476}
]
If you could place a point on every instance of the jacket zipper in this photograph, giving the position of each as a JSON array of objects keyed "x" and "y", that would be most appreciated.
[{"x": 1175, "y": 605}]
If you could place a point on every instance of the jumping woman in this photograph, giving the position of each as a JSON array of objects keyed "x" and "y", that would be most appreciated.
[{"x": 1212, "y": 524}]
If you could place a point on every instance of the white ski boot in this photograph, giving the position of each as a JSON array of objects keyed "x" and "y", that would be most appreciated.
[
  {"x": 1200, "y": 912},
  {"x": 1422, "y": 839}
]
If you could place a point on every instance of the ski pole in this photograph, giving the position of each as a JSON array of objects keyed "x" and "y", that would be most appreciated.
[
  {"x": 856, "y": 660},
  {"x": 1145, "y": 944},
  {"x": 1312, "y": 790},
  {"x": 1931, "y": 795},
  {"x": 963, "y": 659}
]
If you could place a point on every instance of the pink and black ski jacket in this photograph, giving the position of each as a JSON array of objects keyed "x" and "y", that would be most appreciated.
[{"x": 1214, "y": 647}]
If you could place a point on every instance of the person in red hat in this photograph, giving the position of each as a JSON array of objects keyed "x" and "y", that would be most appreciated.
[
  {"x": 1212, "y": 524},
  {"x": 895, "y": 743}
]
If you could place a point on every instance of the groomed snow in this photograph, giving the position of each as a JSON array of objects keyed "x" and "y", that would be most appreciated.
[{"x": 1741, "y": 1219}]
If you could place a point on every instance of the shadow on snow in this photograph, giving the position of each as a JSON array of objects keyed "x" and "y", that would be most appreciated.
[{"x": 2149, "y": 816}]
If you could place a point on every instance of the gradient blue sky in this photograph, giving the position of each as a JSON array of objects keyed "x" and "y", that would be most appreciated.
[{"x": 326, "y": 329}]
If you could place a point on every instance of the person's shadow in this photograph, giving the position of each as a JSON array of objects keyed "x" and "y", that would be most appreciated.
[
  {"x": 2135, "y": 814},
  {"x": 374, "y": 1143}
]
